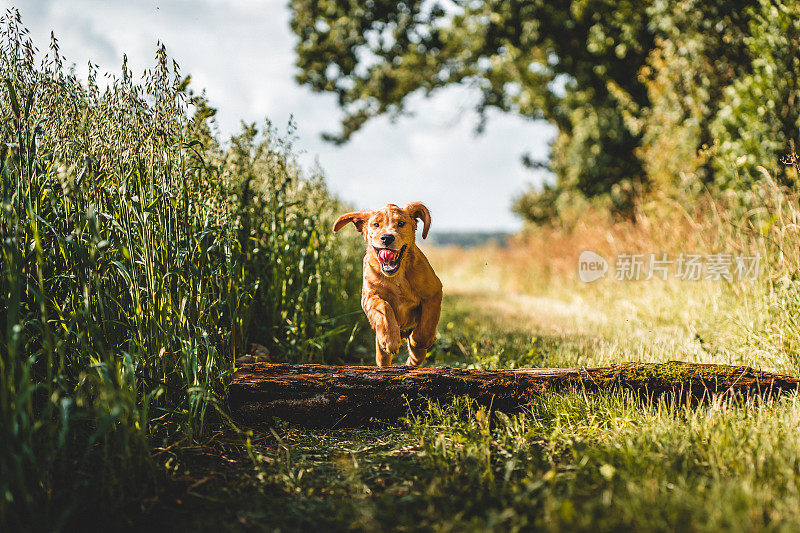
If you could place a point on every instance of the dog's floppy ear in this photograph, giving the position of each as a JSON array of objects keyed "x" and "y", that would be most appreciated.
[
  {"x": 418, "y": 210},
  {"x": 358, "y": 218}
]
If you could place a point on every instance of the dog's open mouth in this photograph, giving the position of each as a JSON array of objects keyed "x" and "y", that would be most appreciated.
[{"x": 389, "y": 259}]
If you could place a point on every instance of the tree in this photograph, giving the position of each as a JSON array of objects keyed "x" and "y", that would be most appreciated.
[
  {"x": 759, "y": 117},
  {"x": 699, "y": 51},
  {"x": 676, "y": 96},
  {"x": 574, "y": 64}
]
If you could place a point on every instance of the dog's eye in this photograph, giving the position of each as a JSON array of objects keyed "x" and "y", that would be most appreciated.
[
  {"x": 376, "y": 225},
  {"x": 401, "y": 224}
]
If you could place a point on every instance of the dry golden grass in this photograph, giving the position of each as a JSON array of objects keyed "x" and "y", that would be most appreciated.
[
  {"x": 533, "y": 282},
  {"x": 541, "y": 258}
]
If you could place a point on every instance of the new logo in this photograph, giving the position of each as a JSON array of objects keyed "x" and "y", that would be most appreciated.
[{"x": 591, "y": 266}]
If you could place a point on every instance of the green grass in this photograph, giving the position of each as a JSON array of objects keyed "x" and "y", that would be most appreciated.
[{"x": 568, "y": 462}]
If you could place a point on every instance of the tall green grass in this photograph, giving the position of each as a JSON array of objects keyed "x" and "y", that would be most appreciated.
[{"x": 139, "y": 257}]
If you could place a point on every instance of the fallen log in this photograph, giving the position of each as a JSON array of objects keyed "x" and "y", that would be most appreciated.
[{"x": 339, "y": 396}]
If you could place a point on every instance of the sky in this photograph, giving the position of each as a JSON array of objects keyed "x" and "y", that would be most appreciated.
[{"x": 242, "y": 53}]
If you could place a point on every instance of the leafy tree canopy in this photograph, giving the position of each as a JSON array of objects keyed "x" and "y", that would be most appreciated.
[
  {"x": 642, "y": 91},
  {"x": 374, "y": 54}
]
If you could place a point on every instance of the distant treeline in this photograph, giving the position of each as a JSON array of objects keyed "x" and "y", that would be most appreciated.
[
  {"x": 468, "y": 239},
  {"x": 651, "y": 98}
]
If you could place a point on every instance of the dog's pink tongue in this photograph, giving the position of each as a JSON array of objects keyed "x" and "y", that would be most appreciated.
[{"x": 385, "y": 255}]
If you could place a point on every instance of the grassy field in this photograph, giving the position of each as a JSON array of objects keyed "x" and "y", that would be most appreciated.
[{"x": 568, "y": 462}]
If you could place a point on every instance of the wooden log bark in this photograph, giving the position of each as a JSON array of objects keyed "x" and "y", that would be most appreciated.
[{"x": 340, "y": 396}]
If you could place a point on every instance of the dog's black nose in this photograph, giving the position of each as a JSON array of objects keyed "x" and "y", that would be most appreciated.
[{"x": 387, "y": 239}]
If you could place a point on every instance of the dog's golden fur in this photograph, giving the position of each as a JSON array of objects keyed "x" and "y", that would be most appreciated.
[{"x": 401, "y": 295}]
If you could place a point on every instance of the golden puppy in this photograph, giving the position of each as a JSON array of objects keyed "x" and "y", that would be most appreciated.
[{"x": 401, "y": 295}]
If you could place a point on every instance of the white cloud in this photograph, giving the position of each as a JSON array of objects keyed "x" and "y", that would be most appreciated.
[{"x": 241, "y": 52}]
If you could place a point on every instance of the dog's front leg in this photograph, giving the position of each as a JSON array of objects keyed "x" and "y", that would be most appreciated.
[
  {"x": 425, "y": 333},
  {"x": 387, "y": 332}
]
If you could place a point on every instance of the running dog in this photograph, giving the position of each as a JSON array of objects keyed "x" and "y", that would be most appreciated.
[{"x": 401, "y": 294}]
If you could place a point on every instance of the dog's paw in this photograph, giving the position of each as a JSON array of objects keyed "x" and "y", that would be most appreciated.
[
  {"x": 418, "y": 343},
  {"x": 415, "y": 360},
  {"x": 389, "y": 343},
  {"x": 416, "y": 355}
]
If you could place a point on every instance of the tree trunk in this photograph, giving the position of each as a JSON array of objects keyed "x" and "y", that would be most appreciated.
[{"x": 339, "y": 396}]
